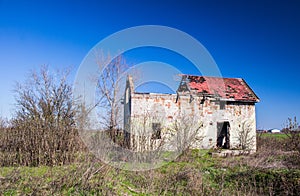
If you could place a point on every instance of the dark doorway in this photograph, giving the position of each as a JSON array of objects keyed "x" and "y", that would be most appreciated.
[
  {"x": 156, "y": 127},
  {"x": 223, "y": 135}
]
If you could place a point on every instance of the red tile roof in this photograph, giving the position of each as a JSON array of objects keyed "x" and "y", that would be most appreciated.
[{"x": 227, "y": 88}]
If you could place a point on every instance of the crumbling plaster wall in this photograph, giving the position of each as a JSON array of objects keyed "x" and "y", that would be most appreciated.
[
  {"x": 165, "y": 109},
  {"x": 147, "y": 109},
  {"x": 239, "y": 115}
]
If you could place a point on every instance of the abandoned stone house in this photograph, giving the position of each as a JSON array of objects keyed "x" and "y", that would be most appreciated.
[{"x": 208, "y": 111}]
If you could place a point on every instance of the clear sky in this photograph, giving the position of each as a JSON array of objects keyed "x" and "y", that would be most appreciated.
[{"x": 257, "y": 40}]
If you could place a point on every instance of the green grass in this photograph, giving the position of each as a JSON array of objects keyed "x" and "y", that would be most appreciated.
[
  {"x": 194, "y": 172},
  {"x": 273, "y": 135},
  {"x": 66, "y": 179}
]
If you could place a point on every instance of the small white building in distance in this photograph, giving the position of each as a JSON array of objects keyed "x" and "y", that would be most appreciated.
[{"x": 274, "y": 131}]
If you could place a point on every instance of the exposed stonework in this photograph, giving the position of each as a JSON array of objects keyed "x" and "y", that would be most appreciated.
[{"x": 207, "y": 114}]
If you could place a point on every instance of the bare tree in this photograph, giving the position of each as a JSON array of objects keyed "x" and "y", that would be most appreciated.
[
  {"x": 292, "y": 131},
  {"x": 151, "y": 131},
  {"x": 245, "y": 136},
  {"x": 3, "y": 123},
  {"x": 146, "y": 132},
  {"x": 110, "y": 88},
  {"x": 44, "y": 120},
  {"x": 187, "y": 130}
]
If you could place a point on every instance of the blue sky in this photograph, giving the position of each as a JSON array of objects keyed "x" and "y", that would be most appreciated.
[{"x": 257, "y": 40}]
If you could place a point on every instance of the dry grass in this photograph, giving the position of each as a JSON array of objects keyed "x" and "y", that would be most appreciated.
[{"x": 273, "y": 170}]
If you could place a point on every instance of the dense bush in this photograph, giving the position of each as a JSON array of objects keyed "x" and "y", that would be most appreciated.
[{"x": 43, "y": 130}]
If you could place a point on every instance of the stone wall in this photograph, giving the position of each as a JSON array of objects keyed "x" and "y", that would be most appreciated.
[{"x": 142, "y": 111}]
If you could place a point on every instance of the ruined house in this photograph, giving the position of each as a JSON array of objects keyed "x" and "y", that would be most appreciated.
[{"x": 205, "y": 112}]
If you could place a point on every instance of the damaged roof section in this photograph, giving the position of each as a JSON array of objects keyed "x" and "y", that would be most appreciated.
[{"x": 235, "y": 89}]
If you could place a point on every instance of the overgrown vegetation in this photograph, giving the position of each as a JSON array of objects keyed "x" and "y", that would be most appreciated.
[
  {"x": 292, "y": 131},
  {"x": 41, "y": 154},
  {"x": 267, "y": 172},
  {"x": 43, "y": 130}
]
